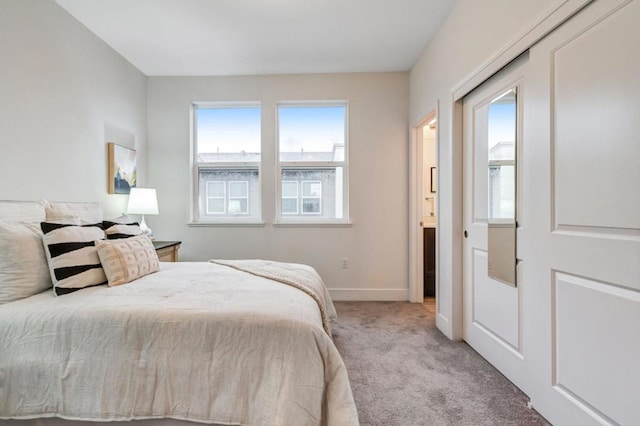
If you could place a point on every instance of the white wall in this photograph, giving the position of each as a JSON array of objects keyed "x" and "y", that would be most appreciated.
[
  {"x": 376, "y": 244},
  {"x": 64, "y": 94},
  {"x": 474, "y": 32}
]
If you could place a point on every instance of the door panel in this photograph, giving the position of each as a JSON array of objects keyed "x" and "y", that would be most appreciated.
[
  {"x": 581, "y": 244},
  {"x": 495, "y": 305},
  {"x": 589, "y": 342},
  {"x": 595, "y": 94}
]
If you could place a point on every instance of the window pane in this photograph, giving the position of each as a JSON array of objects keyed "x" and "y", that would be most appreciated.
[
  {"x": 228, "y": 134},
  {"x": 502, "y": 192},
  {"x": 289, "y": 206},
  {"x": 244, "y": 182},
  {"x": 311, "y": 205},
  {"x": 238, "y": 206},
  {"x": 311, "y": 133},
  {"x": 290, "y": 189},
  {"x": 215, "y": 189},
  {"x": 311, "y": 189},
  {"x": 238, "y": 189},
  {"x": 502, "y": 123},
  {"x": 215, "y": 206}
]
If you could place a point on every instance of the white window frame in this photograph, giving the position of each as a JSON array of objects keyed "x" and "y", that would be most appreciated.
[
  {"x": 313, "y": 218},
  {"x": 209, "y": 197},
  {"x": 197, "y": 166},
  {"x": 297, "y": 198},
  {"x": 303, "y": 197}
]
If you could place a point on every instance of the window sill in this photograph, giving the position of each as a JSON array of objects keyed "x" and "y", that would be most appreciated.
[
  {"x": 227, "y": 224},
  {"x": 312, "y": 224}
]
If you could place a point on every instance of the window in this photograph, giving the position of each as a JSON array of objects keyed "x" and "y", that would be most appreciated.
[
  {"x": 301, "y": 196},
  {"x": 216, "y": 197},
  {"x": 239, "y": 197},
  {"x": 235, "y": 201},
  {"x": 290, "y": 197},
  {"x": 311, "y": 197},
  {"x": 226, "y": 158},
  {"x": 312, "y": 162}
]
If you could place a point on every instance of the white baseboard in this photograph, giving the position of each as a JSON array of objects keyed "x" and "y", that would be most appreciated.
[{"x": 369, "y": 294}]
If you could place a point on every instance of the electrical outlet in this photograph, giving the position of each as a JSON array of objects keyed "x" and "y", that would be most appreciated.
[{"x": 345, "y": 263}]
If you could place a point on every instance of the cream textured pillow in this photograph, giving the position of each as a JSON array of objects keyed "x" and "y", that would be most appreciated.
[
  {"x": 23, "y": 266},
  {"x": 127, "y": 259}
]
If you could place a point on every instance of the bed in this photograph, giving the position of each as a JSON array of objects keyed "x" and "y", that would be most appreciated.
[{"x": 193, "y": 342}]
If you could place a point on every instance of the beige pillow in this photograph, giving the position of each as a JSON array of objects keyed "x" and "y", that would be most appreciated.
[
  {"x": 88, "y": 213},
  {"x": 127, "y": 259},
  {"x": 23, "y": 266}
]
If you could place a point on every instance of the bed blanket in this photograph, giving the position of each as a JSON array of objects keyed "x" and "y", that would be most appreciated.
[
  {"x": 195, "y": 341},
  {"x": 302, "y": 277}
]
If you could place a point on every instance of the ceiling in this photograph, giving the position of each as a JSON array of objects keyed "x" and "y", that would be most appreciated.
[{"x": 235, "y": 37}]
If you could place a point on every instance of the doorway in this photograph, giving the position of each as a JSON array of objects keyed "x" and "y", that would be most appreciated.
[
  {"x": 429, "y": 219},
  {"x": 423, "y": 213}
]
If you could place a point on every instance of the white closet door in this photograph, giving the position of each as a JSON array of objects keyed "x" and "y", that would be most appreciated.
[
  {"x": 581, "y": 197},
  {"x": 492, "y": 322}
]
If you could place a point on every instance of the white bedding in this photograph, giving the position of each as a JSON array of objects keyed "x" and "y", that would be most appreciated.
[{"x": 195, "y": 341}]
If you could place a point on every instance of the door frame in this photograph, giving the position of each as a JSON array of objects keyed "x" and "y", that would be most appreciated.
[{"x": 416, "y": 195}]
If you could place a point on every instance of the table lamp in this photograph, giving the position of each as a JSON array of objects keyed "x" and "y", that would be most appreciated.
[{"x": 143, "y": 201}]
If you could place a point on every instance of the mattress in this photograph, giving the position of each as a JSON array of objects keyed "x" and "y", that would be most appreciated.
[{"x": 195, "y": 341}]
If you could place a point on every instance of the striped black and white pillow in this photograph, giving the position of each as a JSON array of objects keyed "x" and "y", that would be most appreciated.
[
  {"x": 116, "y": 230},
  {"x": 72, "y": 256}
]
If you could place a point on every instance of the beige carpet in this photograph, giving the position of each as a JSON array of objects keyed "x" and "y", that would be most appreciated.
[{"x": 403, "y": 371}]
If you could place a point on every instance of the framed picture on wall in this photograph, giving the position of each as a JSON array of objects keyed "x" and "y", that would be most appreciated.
[
  {"x": 434, "y": 184},
  {"x": 122, "y": 168}
]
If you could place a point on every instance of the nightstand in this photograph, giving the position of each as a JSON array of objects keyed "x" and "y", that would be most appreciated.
[{"x": 167, "y": 250}]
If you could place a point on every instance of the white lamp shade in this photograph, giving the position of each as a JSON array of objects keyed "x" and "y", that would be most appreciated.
[{"x": 142, "y": 201}]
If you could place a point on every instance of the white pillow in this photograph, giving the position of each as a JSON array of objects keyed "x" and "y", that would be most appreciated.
[
  {"x": 72, "y": 256},
  {"x": 127, "y": 259},
  {"x": 23, "y": 266},
  {"x": 88, "y": 213}
]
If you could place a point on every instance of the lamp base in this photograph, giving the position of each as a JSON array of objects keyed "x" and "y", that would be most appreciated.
[{"x": 145, "y": 229}]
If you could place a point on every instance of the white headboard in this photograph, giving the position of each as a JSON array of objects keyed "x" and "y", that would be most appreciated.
[{"x": 39, "y": 211}]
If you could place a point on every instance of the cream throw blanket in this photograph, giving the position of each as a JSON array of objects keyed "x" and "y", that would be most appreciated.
[{"x": 302, "y": 277}]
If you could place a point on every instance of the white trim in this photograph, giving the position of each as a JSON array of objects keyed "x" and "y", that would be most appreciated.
[
  {"x": 369, "y": 294},
  {"x": 235, "y": 223},
  {"x": 227, "y": 104},
  {"x": 452, "y": 326},
  {"x": 288, "y": 223},
  {"x": 550, "y": 20}
]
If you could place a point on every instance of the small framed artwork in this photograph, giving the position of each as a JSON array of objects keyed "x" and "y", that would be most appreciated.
[
  {"x": 122, "y": 168},
  {"x": 434, "y": 184}
]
